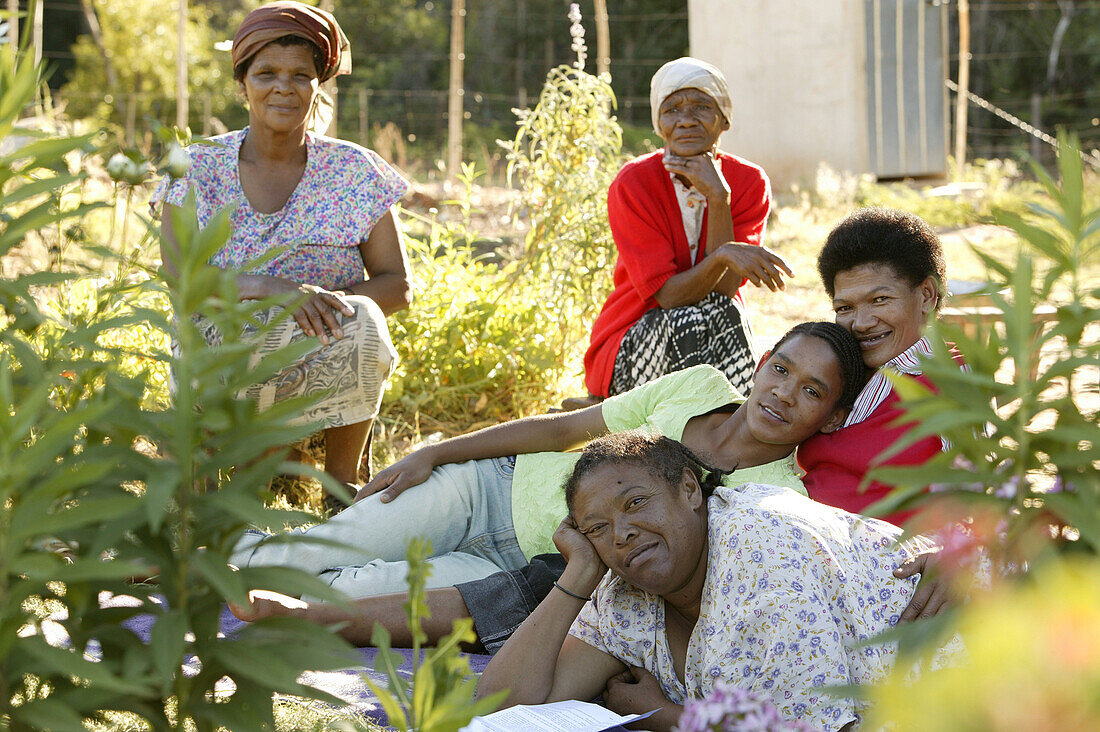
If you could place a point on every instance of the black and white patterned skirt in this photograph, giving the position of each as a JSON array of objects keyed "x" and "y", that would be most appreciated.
[{"x": 713, "y": 330}]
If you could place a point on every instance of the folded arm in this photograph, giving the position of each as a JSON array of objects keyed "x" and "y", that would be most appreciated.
[
  {"x": 541, "y": 662},
  {"x": 540, "y": 433}
]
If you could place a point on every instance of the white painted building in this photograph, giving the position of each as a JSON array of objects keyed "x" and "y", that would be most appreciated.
[{"x": 816, "y": 81}]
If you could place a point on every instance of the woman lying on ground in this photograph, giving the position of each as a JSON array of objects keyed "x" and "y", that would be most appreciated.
[
  {"x": 495, "y": 513},
  {"x": 756, "y": 585}
]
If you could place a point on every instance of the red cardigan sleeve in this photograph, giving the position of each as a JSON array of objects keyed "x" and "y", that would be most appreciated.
[
  {"x": 750, "y": 200},
  {"x": 641, "y": 229}
]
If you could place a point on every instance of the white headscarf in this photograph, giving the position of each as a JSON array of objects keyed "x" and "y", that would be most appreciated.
[{"x": 689, "y": 73}]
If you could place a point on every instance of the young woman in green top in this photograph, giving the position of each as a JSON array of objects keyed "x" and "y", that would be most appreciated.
[{"x": 482, "y": 518}]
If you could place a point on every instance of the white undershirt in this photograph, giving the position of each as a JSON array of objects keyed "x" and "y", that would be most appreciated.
[{"x": 693, "y": 205}]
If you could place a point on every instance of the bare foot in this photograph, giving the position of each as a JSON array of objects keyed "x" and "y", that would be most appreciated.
[{"x": 266, "y": 604}]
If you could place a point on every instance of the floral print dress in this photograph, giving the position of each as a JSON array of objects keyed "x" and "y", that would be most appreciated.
[
  {"x": 313, "y": 239},
  {"x": 344, "y": 191},
  {"x": 792, "y": 588}
]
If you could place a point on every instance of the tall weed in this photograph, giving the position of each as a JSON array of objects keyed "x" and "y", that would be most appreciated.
[
  {"x": 565, "y": 154},
  {"x": 97, "y": 488},
  {"x": 1020, "y": 483},
  {"x": 475, "y": 347},
  {"x": 490, "y": 338}
]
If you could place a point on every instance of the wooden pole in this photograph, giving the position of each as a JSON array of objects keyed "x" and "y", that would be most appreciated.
[
  {"x": 181, "y": 67},
  {"x": 454, "y": 102},
  {"x": 603, "y": 39},
  {"x": 38, "y": 11},
  {"x": 92, "y": 20},
  {"x": 13, "y": 23},
  {"x": 961, "y": 100},
  {"x": 364, "y": 118}
]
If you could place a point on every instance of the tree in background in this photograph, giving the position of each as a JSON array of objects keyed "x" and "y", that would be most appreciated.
[
  {"x": 139, "y": 39},
  {"x": 401, "y": 55},
  {"x": 1030, "y": 58}
]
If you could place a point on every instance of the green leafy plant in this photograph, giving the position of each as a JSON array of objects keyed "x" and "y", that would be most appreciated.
[
  {"x": 98, "y": 489},
  {"x": 507, "y": 334},
  {"x": 36, "y": 679},
  {"x": 440, "y": 695},
  {"x": 566, "y": 152},
  {"x": 476, "y": 347},
  {"x": 1022, "y": 421}
]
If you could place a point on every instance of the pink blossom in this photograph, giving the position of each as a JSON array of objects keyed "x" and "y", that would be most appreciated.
[{"x": 732, "y": 709}]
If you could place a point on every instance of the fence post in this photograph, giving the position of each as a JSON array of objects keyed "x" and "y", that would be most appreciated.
[
  {"x": 39, "y": 11},
  {"x": 207, "y": 113},
  {"x": 964, "y": 86},
  {"x": 181, "y": 67},
  {"x": 454, "y": 102},
  {"x": 603, "y": 39},
  {"x": 364, "y": 117}
]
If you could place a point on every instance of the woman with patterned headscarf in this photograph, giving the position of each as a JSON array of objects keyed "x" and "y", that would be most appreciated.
[
  {"x": 688, "y": 221},
  {"x": 310, "y": 215}
]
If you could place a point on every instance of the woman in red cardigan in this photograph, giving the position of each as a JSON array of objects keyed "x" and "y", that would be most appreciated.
[{"x": 687, "y": 222}]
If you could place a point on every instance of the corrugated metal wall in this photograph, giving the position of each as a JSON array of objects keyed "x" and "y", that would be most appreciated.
[{"x": 907, "y": 101}]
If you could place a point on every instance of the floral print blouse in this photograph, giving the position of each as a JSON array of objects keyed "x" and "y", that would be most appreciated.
[
  {"x": 792, "y": 587},
  {"x": 343, "y": 193}
]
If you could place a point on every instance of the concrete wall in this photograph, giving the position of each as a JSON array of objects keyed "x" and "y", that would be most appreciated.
[{"x": 797, "y": 75}]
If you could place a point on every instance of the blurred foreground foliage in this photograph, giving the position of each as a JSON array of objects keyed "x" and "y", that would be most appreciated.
[
  {"x": 96, "y": 489},
  {"x": 1020, "y": 484},
  {"x": 1032, "y": 662}
]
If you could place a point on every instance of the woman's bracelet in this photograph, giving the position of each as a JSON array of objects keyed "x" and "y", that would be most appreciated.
[{"x": 582, "y": 598}]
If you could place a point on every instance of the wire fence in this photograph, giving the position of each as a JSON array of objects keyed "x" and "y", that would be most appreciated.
[
  {"x": 406, "y": 126},
  {"x": 409, "y": 126},
  {"x": 1091, "y": 157}
]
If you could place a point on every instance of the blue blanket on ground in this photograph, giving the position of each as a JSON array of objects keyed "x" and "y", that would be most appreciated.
[{"x": 347, "y": 685}]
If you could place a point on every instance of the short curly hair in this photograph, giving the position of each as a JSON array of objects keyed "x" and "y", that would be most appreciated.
[{"x": 884, "y": 236}]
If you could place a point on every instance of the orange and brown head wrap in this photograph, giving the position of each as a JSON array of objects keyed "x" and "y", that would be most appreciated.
[{"x": 288, "y": 18}]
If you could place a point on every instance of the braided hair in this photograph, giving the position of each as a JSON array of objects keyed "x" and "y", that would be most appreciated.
[
  {"x": 660, "y": 456},
  {"x": 852, "y": 369}
]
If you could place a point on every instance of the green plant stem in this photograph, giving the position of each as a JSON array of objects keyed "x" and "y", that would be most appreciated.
[
  {"x": 114, "y": 215},
  {"x": 184, "y": 452},
  {"x": 125, "y": 231}
]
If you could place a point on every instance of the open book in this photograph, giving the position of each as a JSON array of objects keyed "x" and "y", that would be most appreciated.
[{"x": 565, "y": 716}]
